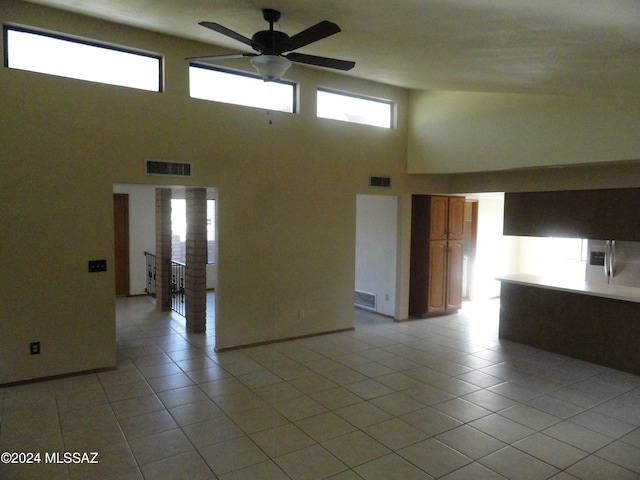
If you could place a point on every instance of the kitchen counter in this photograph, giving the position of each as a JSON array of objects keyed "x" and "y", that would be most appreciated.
[
  {"x": 615, "y": 292},
  {"x": 598, "y": 323}
]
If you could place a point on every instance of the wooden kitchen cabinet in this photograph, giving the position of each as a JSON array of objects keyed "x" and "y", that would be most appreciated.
[
  {"x": 596, "y": 214},
  {"x": 437, "y": 228},
  {"x": 438, "y": 221},
  {"x": 446, "y": 217},
  {"x": 455, "y": 264},
  {"x": 437, "y": 278},
  {"x": 574, "y": 322},
  {"x": 456, "y": 218}
]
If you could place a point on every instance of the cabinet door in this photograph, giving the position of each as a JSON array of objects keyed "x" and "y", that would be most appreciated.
[
  {"x": 439, "y": 212},
  {"x": 456, "y": 218},
  {"x": 437, "y": 277},
  {"x": 573, "y": 214},
  {"x": 620, "y": 213},
  {"x": 455, "y": 257},
  {"x": 606, "y": 213}
]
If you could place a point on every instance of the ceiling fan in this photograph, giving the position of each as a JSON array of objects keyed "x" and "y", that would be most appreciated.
[{"x": 270, "y": 62}]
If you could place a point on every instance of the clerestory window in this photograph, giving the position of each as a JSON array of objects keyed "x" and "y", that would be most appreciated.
[
  {"x": 354, "y": 108},
  {"x": 72, "y": 58},
  {"x": 209, "y": 83}
]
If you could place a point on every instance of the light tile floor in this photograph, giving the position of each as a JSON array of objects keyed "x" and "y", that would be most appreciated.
[{"x": 435, "y": 398}]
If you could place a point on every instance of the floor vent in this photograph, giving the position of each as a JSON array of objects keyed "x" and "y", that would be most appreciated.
[
  {"x": 365, "y": 300},
  {"x": 174, "y": 169},
  {"x": 384, "y": 182}
]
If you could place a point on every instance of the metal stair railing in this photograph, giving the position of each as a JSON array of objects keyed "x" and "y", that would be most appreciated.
[{"x": 177, "y": 300}]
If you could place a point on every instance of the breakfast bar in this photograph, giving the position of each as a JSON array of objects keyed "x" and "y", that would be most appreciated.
[{"x": 598, "y": 323}]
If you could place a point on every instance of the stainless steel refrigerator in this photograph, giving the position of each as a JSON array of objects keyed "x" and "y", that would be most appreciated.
[{"x": 612, "y": 262}]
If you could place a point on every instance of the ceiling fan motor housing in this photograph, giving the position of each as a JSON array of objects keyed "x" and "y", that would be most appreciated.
[{"x": 269, "y": 40}]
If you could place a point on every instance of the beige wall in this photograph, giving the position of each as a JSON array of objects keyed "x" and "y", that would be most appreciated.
[
  {"x": 286, "y": 193},
  {"x": 457, "y": 132}
]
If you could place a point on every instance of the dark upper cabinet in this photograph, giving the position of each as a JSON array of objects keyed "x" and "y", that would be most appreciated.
[
  {"x": 602, "y": 214},
  {"x": 622, "y": 214}
]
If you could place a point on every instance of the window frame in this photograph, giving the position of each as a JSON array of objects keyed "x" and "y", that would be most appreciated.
[
  {"x": 82, "y": 41},
  {"x": 390, "y": 103},
  {"x": 241, "y": 73}
]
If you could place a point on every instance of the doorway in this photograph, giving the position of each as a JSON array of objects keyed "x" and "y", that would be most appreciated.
[
  {"x": 470, "y": 247},
  {"x": 376, "y": 254},
  {"x": 142, "y": 237},
  {"x": 121, "y": 242}
]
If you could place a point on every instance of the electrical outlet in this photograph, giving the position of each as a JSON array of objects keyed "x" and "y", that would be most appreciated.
[{"x": 35, "y": 348}]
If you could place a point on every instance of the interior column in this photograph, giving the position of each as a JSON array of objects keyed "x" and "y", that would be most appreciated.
[
  {"x": 196, "y": 256},
  {"x": 163, "y": 248}
]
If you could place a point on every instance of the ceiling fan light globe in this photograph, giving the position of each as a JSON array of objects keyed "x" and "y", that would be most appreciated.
[{"x": 271, "y": 67}]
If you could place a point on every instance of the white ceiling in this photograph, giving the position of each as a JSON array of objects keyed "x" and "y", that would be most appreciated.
[{"x": 523, "y": 46}]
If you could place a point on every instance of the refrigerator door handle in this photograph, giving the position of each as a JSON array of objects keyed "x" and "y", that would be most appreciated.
[
  {"x": 612, "y": 259},
  {"x": 606, "y": 259}
]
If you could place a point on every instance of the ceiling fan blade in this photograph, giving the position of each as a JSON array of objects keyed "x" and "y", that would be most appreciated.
[
  {"x": 321, "y": 61},
  {"x": 221, "y": 57},
  {"x": 216, "y": 27},
  {"x": 312, "y": 34}
]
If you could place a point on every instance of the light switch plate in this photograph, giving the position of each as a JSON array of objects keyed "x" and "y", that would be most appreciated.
[{"x": 97, "y": 266}]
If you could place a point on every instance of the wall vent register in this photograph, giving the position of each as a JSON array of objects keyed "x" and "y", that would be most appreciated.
[
  {"x": 384, "y": 182},
  {"x": 365, "y": 299},
  {"x": 156, "y": 167}
]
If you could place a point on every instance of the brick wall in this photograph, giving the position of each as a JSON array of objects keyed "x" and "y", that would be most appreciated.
[
  {"x": 163, "y": 248},
  {"x": 196, "y": 255}
]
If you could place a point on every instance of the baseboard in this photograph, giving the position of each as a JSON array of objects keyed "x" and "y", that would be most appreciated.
[
  {"x": 282, "y": 340},
  {"x": 57, "y": 377}
]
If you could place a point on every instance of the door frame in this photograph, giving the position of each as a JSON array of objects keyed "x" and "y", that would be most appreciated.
[
  {"x": 471, "y": 245},
  {"x": 121, "y": 244}
]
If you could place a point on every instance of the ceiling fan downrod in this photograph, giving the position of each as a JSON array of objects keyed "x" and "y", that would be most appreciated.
[{"x": 271, "y": 16}]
